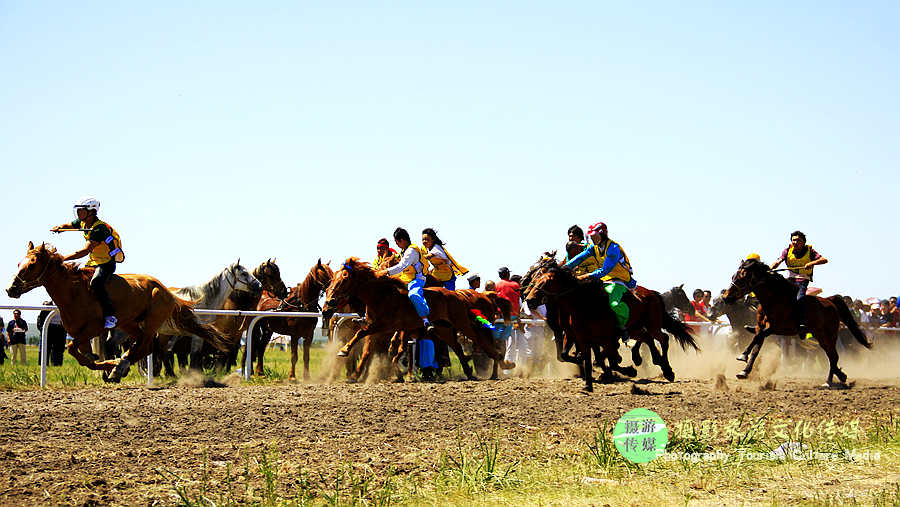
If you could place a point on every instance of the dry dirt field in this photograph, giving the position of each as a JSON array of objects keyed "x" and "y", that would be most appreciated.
[{"x": 104, "y": 446}]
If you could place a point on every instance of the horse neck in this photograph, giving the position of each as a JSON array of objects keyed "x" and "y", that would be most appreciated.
[
  {"x": 65, "y": 286},
  {"x": 308, "y": 291},
  {"x": 772, "y": 291}
]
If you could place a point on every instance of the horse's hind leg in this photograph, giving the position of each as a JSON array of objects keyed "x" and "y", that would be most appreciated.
[
  {"x": 660, "y": 357},
  {"x": 829, "y": 345},
  {"x": 588, "y": 373},
  {"x": 463, "y": 359},
  {"x": 755, "y": 345}
]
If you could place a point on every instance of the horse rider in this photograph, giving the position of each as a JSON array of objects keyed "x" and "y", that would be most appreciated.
[
  {"x": 800, "y": 259},
  {"x": 411, "y": 271},
  {"x": 384, "y": 253},
  {"x": 614, "y": 269},
  {"x": 104, "y": 247},
  {"x": 444, "y": 267},
  {"x": 575, "y": 246}
]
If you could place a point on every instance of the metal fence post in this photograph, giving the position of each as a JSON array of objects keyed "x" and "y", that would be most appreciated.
[{"x": 44, "y": 330}]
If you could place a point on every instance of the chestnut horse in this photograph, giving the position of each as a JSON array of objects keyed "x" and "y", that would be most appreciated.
[
  {"x": 775, "y": 315},
  {"x": 144, "y": 306},
  {"x": 389, "y": 309},
  {"x": 302, "y": 298}
]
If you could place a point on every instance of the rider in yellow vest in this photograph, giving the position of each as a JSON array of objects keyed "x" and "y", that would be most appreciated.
[
  {"x": 800, "y": 259},
  {"x": 444, "y": 267},
  {"x": 575, "y": 246},
  {"x": 385, "y": 253},
  {"x": 411, "y": 271},
  {"x": 104, "y": 247},
  {"x": 614, "y": 270}
]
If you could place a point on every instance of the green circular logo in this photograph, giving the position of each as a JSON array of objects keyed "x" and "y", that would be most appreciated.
[{"x": 640, "y": 435}]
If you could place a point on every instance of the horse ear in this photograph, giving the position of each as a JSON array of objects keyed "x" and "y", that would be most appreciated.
[
  {"x": 319, "y": 262},
  {"x": 30, "y": 245},
  {"x": 238, "y": 263},
  {"x": 681, "y": 286}
]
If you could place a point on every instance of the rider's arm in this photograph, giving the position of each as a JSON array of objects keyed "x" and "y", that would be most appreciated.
[
  {"x": 72, "y": 226},
  {"x": 816, "y": 259},
  {"x": 410, "y": 257},
  {"x": 578, "y": 259},
  {"x": 780, "y": 259},
  {"x": 90, "y": 245},
  {"x": 613, "y": 257}
]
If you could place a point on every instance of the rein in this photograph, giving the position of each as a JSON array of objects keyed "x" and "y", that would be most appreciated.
[{"x": 27, "y": 286}]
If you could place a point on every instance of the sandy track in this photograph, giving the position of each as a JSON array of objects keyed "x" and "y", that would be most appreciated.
[{"x": 103, "y": 445}]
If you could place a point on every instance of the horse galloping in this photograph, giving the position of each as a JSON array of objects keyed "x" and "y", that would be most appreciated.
[
  {"x": 143, "y": 306},
  {"x": 776, "y": 314}
]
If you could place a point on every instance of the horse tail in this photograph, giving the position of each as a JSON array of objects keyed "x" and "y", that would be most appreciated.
[
  {"x": 683, "y": 334},
  {"x": 849, "y": 321},
  {"x": 184, "y": 319}
]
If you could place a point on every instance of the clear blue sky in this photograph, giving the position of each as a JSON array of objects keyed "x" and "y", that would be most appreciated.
[{"x": 699, "y": 131}]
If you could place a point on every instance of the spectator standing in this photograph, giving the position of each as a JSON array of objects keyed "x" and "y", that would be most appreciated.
[
  {"x": 474, "y": 282},
  {"x": 700, "y": 310},
  {"x": 16, "y": 330},
  {"x": 515, "y": 341}
]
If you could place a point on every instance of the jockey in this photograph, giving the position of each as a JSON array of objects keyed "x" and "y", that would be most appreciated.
[
  {"x": 575, "y": 246},
  {"x": 614, "y": 270},
  {"x": 104, "y": 247},
  {"x": 385, "y": 253},
  {"x": 411, "y": 270},
  {"x": 444, "y": 267},
  {"x": 800, "y": 259}
]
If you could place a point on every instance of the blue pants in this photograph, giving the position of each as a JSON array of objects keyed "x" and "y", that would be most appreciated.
[
  {"x": 417, "y": 296},
  {"x": 450, "y": 284},
  {"x": 426, "y": 354}
]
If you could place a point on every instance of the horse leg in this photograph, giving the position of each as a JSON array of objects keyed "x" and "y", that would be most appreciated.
[
  {"x": 588, "y": 373},
  {"x": 636, "y": 352},
  {"x": 292, "y": 375},
  {"x": 74, "y": 347},
  {"x": 345, "y": 350},
  {"x": 463, "y": 359},
  {"x": 829, "y": 344},
  {"x": 756, "y": 345},
  {"x": 307, "y": 343},
  {"x": 660, "y": 356}
]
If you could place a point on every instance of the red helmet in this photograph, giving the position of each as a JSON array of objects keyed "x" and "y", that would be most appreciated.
[{"x": 598, "y": 228}]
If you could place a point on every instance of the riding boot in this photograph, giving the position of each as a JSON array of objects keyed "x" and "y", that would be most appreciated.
[{"x": 800, "y": 316}]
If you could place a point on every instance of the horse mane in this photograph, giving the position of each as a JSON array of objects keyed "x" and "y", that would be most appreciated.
[
  {"x": 781, "y": 283},
  {"x": 358, "y": 266}
]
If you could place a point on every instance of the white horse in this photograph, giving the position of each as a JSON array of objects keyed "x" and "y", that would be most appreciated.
[{"x": 211, "y": 295}]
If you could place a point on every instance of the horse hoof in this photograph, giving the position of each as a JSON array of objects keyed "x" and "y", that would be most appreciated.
[
  {"x": 121, "y": 370},
  {"x": 471, "y": 377},
  {"x": 742, "y": 357},
  {"x": 741, "y": 375},
  {"x": 669, "y": 375},
  {"x": 351, "y": 380},
  {"x": 292, "y": 378},
  {"x": 106, "y": 378},
  {"x": 507, "y": 365}
]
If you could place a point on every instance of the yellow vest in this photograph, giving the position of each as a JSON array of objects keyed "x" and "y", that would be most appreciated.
[
  {"x": 409, "y": 273},
  {"x": 588, "y": 266},
  {"x": 378, "y": 260},
  {"x": 444, "y": 271},
  {"x": 622, "y": 271},
  {"x": 110, "y": 249},
  {"x": 796, "y": 263}
]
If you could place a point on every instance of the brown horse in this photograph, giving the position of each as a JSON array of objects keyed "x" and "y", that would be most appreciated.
[
  {"x": 388, "y": 309},
  {"x": 647, "y": 320},
  {"x": 776, "y": 315},
  {"x": 589, "y": 321},
  {"x": 302, "y": 298},
  {"x": 143, "y": 306}
]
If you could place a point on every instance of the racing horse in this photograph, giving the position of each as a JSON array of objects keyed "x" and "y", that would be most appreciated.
[
  {"x": 775, "y": 315},
  {"x": 212, "y": 295},
  {"x": 302, "y": 298},
  {"x": 647, "y": 320},
  {"x": 389, "y": 309},
  {"x": 144, "y": 306}
]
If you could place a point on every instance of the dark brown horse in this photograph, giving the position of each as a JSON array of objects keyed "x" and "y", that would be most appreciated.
[
  {"x": 776, "y": 314},
  {"x": 647, "y": 320},
  {"x": 388, "y": 309},
  {"x": 302, "y": 298},
  {"x": 143, "y": 306}
]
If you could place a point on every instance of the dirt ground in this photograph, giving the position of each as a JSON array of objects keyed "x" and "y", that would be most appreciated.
[{"x": 103, "y": 446}]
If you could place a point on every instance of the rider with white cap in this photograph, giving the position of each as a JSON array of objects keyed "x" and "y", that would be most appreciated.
[
  {"x": 104, "y": 247},
  {"x": 615, "y": 271}
]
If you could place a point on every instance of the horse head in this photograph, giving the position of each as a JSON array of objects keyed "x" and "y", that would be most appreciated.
[
  {"x": 269, "y": 275},
  {"x": 545, "y": 262},
  {"x": 33, "y": 268},
  {"x": 344, "y": 282},
  {"x": 679, "y": 299},
  {"x": 239, "y": 278},
  {"x": 553, "y": 282},
  {"x": 749, "y": 274}
]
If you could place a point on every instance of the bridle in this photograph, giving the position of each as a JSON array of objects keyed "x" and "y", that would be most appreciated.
[{"x": 27, "y": 286}]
